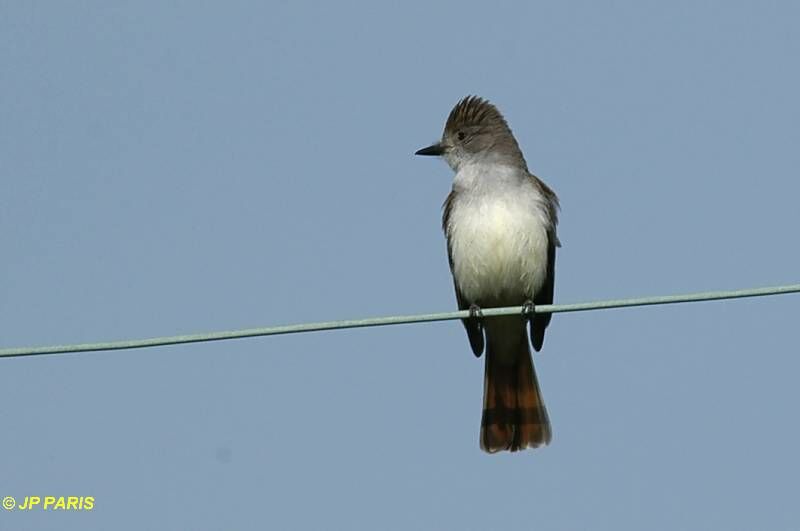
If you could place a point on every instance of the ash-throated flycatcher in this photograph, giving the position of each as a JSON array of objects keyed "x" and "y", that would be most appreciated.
[{"x": 500, "y": 224}]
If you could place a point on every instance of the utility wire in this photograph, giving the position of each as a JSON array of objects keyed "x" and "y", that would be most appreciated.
[{"x": 393, "y": 320}]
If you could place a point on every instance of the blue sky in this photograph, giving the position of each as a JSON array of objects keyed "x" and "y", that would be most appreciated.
[{"x": 187, "y": 167}]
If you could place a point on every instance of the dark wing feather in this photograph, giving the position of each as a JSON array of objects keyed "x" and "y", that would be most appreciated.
[
  {"x": 545, "y": 295},
  {"x": 473, "y": 326}
]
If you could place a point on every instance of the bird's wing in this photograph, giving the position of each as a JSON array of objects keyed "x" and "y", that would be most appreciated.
[
  {"x": 544, "y": 296},
  {"x": 473, "y": 326},
  {"x": 545, "y": 293}
]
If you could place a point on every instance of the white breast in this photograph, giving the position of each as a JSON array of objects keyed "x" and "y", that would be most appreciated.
[{"x": 498, "y": 238}]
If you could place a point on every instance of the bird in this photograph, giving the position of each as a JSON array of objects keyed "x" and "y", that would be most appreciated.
[{"x": 499, "y": 222}]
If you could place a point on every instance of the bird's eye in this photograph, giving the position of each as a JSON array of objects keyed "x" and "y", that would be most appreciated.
[{"x": 461, "y": 135}]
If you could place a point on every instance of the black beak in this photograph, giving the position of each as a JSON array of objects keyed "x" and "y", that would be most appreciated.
[{"x": 434, "y": 150}]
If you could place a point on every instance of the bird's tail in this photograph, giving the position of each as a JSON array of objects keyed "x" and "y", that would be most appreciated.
[{"x": 514, "y": 416}]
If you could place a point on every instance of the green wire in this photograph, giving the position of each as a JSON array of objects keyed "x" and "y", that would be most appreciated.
[{"x": 399, "y": 319}]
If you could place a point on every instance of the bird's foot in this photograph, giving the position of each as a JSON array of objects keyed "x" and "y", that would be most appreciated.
[
  {"x": 475, "y": 312},
  {"x": 528, "y": 309}
]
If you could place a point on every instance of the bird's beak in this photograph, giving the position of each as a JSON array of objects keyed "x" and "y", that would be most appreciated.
[{"x": 434, "y": 150}]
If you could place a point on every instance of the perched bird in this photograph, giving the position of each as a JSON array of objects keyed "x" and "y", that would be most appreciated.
[{"x": 500, "y": 225}]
